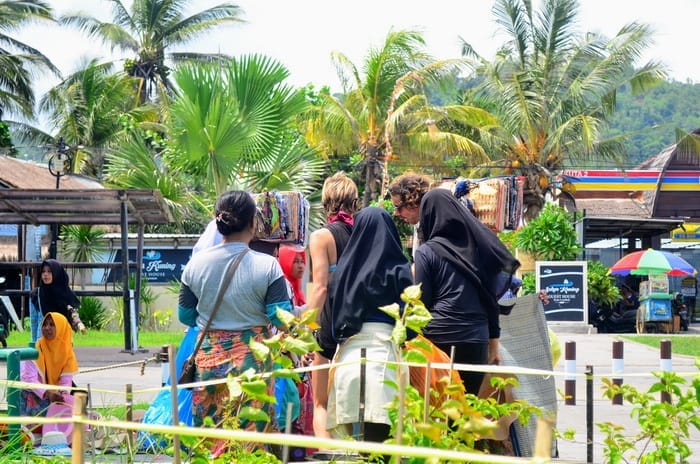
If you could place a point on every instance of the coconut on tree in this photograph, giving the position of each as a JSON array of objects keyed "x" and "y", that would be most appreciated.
[
  {"x": 150, "y": 28},
  {"x": 554, "y": 89}
]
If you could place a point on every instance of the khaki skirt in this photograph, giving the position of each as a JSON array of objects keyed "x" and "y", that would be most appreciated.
[{"x": 344, "y": 380}]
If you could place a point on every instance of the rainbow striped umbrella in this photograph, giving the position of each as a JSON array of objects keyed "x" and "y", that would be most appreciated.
[{"x": 652, "y": 262}]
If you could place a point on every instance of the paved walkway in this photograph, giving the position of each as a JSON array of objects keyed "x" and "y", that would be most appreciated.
[
  {"x": 639, "y": 361},
  {"x": 108, "y": 386}
]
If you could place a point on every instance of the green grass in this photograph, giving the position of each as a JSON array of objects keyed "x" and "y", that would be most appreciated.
[
  {"x": 103, "y": 338},
  {"x": 680, "y": 344}
]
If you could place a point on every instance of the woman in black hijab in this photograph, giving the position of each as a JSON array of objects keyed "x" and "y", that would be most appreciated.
[
  {"x": 53, "y": 295},
  {"x": 463, "y": 269},
  {"x": 372, "y": 272}
]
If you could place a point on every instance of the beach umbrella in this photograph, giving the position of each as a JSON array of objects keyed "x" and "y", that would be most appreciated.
[{"x": 652, "y": 262}]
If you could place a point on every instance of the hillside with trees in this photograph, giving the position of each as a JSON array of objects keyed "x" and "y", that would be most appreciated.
[{"x": 652, "y": 118}]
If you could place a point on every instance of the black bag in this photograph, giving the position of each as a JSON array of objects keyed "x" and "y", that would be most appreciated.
[
  {"x": 188, "y": 370},
  {"x": 189, "y": 367}
]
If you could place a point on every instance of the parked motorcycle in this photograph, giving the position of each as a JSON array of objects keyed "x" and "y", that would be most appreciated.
[{"x": 606, "y": 320}]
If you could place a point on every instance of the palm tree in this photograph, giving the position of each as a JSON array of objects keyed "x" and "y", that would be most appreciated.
[
  {"x": 19, "y": 61},
  {"x": 230, "y": 115},
  {"x": 148, "y": 29},
  {"x": 231, "y": 125},
  {"x": 385, "y": 113},
  {"x": 555, "y": 90},
  {"x": 88, "y": 110}
]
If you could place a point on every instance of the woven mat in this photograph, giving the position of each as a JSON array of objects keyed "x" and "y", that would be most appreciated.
[{"x": 525, "y": 343}]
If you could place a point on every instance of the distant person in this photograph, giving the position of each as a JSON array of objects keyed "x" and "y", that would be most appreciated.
[
  {"x": 55, "y": 366},
  {"x": 293, "y": 262},
  {"x": 339, "y": 198},
  {"x": 53, "y": 295},
  {"x": 372, "y": 272}
]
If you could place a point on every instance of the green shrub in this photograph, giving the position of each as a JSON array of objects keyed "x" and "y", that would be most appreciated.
[
  {"x": 550, "y": 236},
  {"x": 93, "y": 313}
]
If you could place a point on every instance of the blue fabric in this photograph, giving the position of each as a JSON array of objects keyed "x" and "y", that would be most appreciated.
[
  {"x": 160, "y": 410},
  {"x": 272, "y": 311},
  {"x": 35, "y": 318},
  {"x": 286, "y": 392}
]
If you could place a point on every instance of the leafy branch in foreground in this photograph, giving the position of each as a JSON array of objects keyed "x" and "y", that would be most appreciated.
[{"x": 664, "y": 427}]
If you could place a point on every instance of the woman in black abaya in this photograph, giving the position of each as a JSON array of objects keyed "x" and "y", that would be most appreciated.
[
  {"x": 372, "y": 272},
  {"x": 463, "y": 269}
]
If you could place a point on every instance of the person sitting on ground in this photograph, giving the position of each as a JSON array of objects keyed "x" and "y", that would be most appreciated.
[
  {"x": 56, "y": 366},
  {"x": 53, "y": 295}
]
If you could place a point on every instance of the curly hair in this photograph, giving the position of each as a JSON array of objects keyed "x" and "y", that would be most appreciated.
[
  {"x": 410, "y": 188},
  {"x": 234, "y": 210},
  {"x": 339, "y": 193}
]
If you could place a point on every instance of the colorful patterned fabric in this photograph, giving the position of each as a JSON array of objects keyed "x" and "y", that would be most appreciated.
[{"x": 225, "y": 352}]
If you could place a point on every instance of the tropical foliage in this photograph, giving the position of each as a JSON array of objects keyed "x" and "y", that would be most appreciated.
[
  {"x": 148, "y": 29},
  {"x": 86, "y": 109},
  {"x": 384, "y": 113},
  {"x": 19, "y": 62},
  {"x": 554, "y": 89}
]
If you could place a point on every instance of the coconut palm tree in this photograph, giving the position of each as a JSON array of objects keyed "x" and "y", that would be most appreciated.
[
  {"x": 18, "y": 61},
  {"x": 148, "y": 29},
  {"x": 88, "y": 110},
  {"x": 384, "y": 112},
  {"x": 555, "y": 90}
]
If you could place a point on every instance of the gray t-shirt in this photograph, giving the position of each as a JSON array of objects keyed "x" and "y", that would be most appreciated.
[{"x": 258, "y": 283}]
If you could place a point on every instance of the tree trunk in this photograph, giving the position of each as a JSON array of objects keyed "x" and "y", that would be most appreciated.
[{"x": 374, "y": 175}]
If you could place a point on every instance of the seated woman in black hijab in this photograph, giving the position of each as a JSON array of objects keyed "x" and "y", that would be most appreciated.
[
  {"x": 372, "y": 272},
  {"x": 463, "y": 269}
]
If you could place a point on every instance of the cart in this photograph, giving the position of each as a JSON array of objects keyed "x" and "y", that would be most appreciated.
[{"x": 654, "y": 313}]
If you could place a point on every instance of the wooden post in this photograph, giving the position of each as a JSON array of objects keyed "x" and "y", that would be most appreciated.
[
  {"x": 666, "y": 365},
  {"x": 80, "y": 411},
  {"x": 570, "y": 373},
  {"x": 129, "y": 416},
  {"x": 618, "y": 367},
  {"x": 175, "y": 403}
]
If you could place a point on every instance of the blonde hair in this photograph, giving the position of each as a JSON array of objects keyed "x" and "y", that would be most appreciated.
[{"x": 339, "y": 193}]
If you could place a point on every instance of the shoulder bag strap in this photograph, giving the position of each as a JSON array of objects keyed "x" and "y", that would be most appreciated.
[{"x": 220, "y": 296}]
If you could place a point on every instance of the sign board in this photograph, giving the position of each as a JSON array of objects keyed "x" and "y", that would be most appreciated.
[
  {"x": 161, "y": 265},
  {"x": 690, "y": 232},
  {"x": 566, "y": 284}
]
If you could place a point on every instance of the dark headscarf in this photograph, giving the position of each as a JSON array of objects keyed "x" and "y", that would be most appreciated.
[
  {"x": 473, "y": 249},
  {"x": 372, "y": 272},
  {"x": 57, "y": 296}
]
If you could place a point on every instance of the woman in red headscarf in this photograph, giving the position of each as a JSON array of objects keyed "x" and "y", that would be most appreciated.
[{"x": 293, "y": 262}]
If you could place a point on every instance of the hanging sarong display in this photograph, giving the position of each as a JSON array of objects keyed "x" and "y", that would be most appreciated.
[
  {"x": 282, "y": 216},
  {"x": 498, "y": 202}
]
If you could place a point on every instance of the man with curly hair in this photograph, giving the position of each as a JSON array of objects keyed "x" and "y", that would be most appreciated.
[{"x": 406, "y": 192}]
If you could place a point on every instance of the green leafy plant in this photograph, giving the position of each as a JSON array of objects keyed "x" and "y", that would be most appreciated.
[
  {"x": 550, "y": 236},
  {"x": 93, "y": 313},
  {"x": 460, "y": 421},
  {"x": 664, "y": 427},
  {"x": 602, "y": 289}
]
